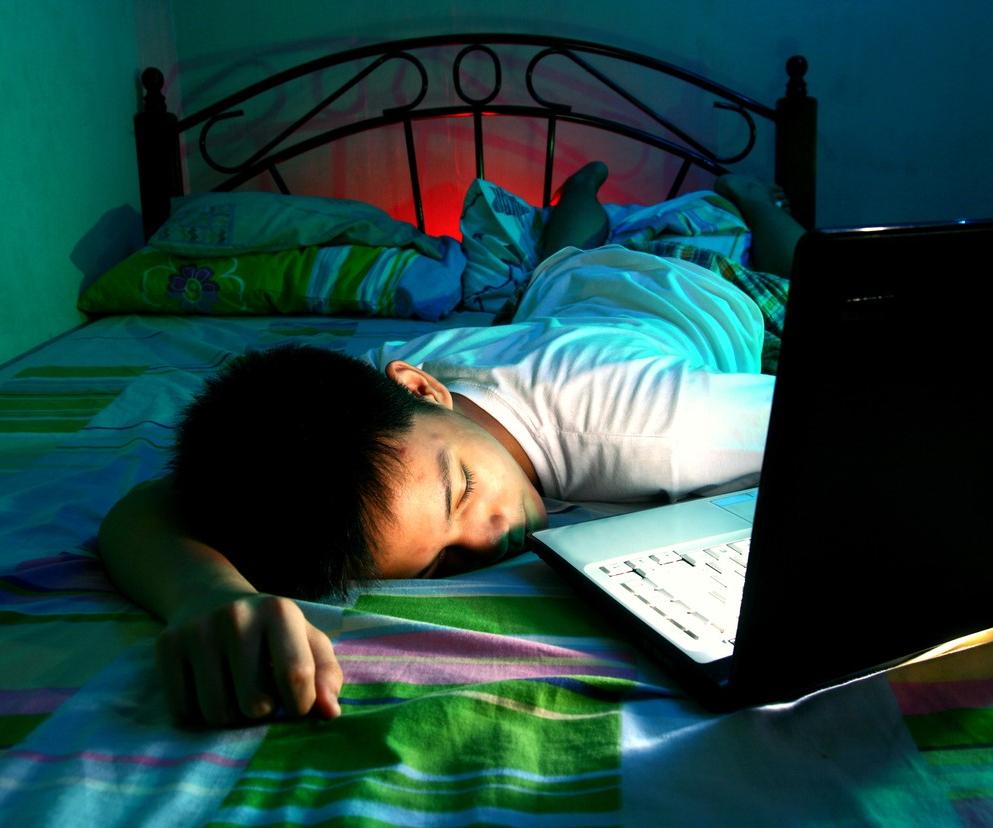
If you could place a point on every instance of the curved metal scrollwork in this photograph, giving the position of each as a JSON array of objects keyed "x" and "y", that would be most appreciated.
[
  {"x": 256, "y": 161},
  {"x": 744, "y": 113},
  {"x": 665, "y": 123},
  {"x": 357, "y": 78},
  {"x": 793, "y": 119},
  {"x": 457, "y": 74}
]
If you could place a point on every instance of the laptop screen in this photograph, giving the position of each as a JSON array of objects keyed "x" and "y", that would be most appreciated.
[{"x": 872, "y": 522}]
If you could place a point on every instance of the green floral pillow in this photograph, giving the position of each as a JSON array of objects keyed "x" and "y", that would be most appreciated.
[{"x": 383, "y": 281}]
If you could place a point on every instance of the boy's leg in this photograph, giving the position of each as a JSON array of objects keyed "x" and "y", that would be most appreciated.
[
  {"x": 578, "y": 220},
  {"x": 775, "y": 232}
]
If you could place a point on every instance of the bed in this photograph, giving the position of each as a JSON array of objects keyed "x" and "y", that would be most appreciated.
[{"x": 497, "y": 697}]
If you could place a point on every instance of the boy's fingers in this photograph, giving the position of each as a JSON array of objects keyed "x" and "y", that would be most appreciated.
[
  {"x": 175, "y": 677},
  {"x": 327, "y": 674},
  {"x": 293, "y": 664},
  {"x": 243, "y": 646},
  {"x": 213, "y": 687},
  {"x": 245, "y": 658}
]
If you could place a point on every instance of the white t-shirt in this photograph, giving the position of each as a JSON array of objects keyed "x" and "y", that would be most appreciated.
[{"x": 624, "y": 376}]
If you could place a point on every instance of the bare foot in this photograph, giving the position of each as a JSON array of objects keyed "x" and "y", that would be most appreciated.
[
  {"x": 578, "y": 219},
  {"x": 745, "y": 190},
  {"x": 588, "y": 178},
  {"x": 775, "y": 232}
]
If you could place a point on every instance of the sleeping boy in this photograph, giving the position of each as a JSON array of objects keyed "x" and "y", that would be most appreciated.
[{"x": 624, "y": 376}]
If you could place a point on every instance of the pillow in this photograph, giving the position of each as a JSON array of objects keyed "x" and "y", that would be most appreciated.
[
  {"x": 382, "y": 281},
  {"x": 500, "y": 234},
  {"x": 228, "y": 224}
]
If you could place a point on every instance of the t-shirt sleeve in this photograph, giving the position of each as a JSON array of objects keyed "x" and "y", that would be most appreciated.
[{"x": 633, "y": 429}]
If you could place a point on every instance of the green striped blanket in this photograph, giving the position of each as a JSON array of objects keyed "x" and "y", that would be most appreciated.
[{"x": 495, "y": 698}]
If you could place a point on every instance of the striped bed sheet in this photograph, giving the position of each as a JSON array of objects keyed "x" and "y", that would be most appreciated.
[{"x": 494, "y": 698}]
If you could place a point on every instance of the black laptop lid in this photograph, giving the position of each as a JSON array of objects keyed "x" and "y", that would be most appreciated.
[{"x": 874, "y": 524}]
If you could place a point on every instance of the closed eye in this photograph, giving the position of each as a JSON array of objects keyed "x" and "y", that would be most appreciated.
[{"x": 469, "y": 483}]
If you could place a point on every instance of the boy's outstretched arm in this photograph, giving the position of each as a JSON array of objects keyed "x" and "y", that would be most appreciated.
[{"x": 228, "y": 652}]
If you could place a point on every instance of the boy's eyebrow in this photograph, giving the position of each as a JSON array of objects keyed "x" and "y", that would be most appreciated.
[{"x": 446, "y": 481}]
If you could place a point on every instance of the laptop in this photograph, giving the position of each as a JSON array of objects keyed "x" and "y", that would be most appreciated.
[{"x": 869, "y": 538}]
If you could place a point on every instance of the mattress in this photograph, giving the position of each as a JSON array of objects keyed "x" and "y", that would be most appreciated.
[{"x": 498, "y": 697}]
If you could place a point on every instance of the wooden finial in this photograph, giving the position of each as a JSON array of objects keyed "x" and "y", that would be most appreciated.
[
  {"x": 153, "y": 80},
  {"x": 796, "y": 68}
]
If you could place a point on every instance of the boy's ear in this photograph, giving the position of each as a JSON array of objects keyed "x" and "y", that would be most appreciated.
[{"x": 419, "y": 382}]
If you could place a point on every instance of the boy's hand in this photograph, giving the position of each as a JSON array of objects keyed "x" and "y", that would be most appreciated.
[{"x": 237, "y": 657}]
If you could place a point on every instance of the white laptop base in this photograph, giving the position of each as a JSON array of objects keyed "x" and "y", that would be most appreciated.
[
  {"x": 680, "y": 569},
  {"x": 691, "y": 596}
]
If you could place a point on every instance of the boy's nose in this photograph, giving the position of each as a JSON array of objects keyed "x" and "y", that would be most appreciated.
[
  {"x": 483, "y": 546},
  {"x": 489, "y": 537},
  {"x": 499, "y": 527}
]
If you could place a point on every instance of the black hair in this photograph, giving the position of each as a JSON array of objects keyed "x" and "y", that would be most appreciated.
[{"x": 286, "y": 463}]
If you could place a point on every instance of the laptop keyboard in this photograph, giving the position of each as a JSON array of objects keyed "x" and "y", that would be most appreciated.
[{"x": 691, "y": 596}]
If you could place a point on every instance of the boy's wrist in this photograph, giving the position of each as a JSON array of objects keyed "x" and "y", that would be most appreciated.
[{"x": 201, "y": 600}]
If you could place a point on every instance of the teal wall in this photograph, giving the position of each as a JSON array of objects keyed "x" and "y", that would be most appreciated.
[
  {"x": 906, "y": 120},
  {"x": 70, "y": 190}
]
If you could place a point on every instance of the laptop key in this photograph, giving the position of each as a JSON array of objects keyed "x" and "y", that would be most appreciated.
[
  {"x": 695, "y": 594},
  {"x": 719, "y": 581},
  {"x": 627, "y": 579},
  {"x": 742, "y": 547},
  {"x": 663, "y": 558}
]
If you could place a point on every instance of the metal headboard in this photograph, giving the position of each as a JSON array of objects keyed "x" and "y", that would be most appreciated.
[{"x": 157, "y": 131}]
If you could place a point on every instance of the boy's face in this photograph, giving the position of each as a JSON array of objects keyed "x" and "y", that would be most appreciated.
[{"x": 463, "y": 501}]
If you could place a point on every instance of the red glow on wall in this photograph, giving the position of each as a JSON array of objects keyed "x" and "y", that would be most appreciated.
[{"x": 373, "y": 167}]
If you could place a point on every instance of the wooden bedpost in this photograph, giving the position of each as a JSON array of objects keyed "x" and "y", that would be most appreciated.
[
  {"x": 160, "y": 175},
  {"x": 796, "y": 143}
]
